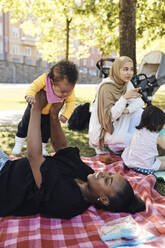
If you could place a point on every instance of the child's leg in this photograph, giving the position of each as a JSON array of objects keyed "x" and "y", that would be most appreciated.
[
  {"x": 162, "y": 159},
  {"x": 24, "y": 123},
  {"x": 45, "y": 128},
  {"x": 3, "y": 159},
  {"x": 45, "y": 132},
  {"x": 22, "y": 131}
]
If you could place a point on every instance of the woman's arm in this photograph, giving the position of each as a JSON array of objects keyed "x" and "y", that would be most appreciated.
[
  {"x": 161, "y": 142},
  {"x": 69, "y": 105},
  {"x": 34, "y": 141},
  {"x": 58, "y": 139}
]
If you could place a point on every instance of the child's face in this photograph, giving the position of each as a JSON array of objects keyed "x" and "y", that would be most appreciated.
[
  {"x": 62, "y": 88},
  {"x": 126, "y": 72}
]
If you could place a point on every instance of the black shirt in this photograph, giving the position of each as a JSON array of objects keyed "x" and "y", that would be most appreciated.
[{"x": 59, "y": 195}]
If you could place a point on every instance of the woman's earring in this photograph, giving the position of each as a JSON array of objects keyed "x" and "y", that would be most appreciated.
[{"x": 98, "y": 199}]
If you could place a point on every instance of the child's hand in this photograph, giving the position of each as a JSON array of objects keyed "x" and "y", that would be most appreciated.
[
  {"x": 30, "y": 99},
  {"x": 63, "y": 119},
  {"x": 125, "y": 111}
]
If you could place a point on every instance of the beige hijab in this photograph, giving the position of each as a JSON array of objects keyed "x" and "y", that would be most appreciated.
[{"x": 108, "y": 94}]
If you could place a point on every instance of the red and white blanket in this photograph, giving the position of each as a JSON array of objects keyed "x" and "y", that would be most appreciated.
[{"x": 82, "y": 231}]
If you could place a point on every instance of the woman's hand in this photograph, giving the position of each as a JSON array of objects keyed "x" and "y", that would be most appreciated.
[
  {"x": 55, "y": 109},
  {"x": 30, "y": 99},
  {"x": 40, "y": 99},
  {"x": 125, "y": 111},
  {"x": 63, "y": 119},
  {"x": 134, "y": 93}
]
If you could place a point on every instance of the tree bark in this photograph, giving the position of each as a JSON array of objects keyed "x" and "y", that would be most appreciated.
[
  {"x": 67, "y": 38},
  {"x": 127, "y": 29}
]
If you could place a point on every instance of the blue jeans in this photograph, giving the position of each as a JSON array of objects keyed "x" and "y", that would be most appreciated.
[{"x": 3, "y": 159}]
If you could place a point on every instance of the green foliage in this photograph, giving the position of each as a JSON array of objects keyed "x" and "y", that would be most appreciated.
[
  {"x": 92, "y": 23},
  {"x": 150, "y": 20}
]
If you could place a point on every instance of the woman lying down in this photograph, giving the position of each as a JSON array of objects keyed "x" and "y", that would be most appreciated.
[{"x": 60, "y": 186}]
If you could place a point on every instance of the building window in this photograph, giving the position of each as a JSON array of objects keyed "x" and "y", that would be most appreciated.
[
  {"x": 16, "y": 50},
  {"x": 28, "y": 61},
  {"x": 92, "y": 50},
  {"x": 1, "y": 47},
  {"x": 76, "y": 43},
  {"x": 1, "y": 29},
  {"x": 15, "y": 32},
  {"x": 28, "y": 51},
  {"x": 16, "y": 60},
  {"x": 84, "y": 62},
  {"x": 92, "y": 63}
]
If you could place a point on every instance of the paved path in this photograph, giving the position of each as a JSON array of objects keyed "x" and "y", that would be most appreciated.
[{"x": 10, "y": 116}]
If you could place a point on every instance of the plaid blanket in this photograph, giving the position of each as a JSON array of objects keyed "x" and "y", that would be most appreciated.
[{"x": 82, "y": 231}]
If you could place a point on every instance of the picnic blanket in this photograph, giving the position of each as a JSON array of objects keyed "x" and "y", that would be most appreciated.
[{"x": 82, "y": 231}]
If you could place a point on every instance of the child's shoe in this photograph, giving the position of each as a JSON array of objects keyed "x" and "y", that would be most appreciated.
[
  {"x": 18, "y": 145},
  {"x": 44, "y": 151}
]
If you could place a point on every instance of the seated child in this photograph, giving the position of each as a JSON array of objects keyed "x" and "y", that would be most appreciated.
[
  {"x": 142, "y": 153},
  {"x": 59, "y": 85}
]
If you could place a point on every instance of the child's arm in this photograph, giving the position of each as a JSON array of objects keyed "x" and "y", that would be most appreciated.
[
  {"x": 161, "y": 142},
  {"x": 35, "y": 86},
  {"x": 69, "y": 105}
]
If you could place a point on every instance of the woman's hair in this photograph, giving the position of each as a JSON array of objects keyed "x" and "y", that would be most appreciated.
[
  {"x": 153, "y": 118},
  {"x": 64, "y": 69},
  {"x": 124, "y": 201}
]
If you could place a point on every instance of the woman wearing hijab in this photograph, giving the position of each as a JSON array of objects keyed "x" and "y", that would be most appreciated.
[{"x": 117, "y": 109}]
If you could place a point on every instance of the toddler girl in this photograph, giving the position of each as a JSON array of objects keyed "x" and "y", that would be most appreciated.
[
  {"x": 141, "y": 153},
  {"x": 59, "y": 86}
]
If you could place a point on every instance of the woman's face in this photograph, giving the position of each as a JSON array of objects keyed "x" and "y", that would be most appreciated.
[
  {"x": 126, "y": 72},
  {"x": 62, "y": 88},
  {"x": 102, "y": 183}
]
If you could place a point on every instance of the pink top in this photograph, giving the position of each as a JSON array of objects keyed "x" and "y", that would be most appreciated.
[
  {"x": 51, "y": 97},
  {"x": 142, "y": 150}
]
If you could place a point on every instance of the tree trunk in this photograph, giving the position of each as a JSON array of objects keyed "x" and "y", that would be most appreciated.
[
  {"x": 67, "y": 38},
  {"x": 127, "y": 29}
]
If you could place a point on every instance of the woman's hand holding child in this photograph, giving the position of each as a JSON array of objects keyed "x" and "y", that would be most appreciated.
[
  {"x": 134, "y": 93},
  {"x": 30, "y": 99},
  {"x": 63, "y": 119}
]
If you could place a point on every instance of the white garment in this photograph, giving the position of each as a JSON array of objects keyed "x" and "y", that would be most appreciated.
[
  {"x": 142, "y": 150},
  {"x": 124, "y": 124}
]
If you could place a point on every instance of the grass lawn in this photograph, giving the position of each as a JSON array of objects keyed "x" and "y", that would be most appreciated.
[{"x": 13, "y": 98}]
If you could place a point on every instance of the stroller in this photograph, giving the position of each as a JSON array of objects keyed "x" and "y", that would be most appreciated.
[
  {"x": 153, "y": 66},
  {"x": 150, "y": 76}
]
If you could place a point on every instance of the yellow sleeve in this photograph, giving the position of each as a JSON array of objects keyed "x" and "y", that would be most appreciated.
[
  {"x": 69, "y": 105},
  {"x": 36, "y": 86}
]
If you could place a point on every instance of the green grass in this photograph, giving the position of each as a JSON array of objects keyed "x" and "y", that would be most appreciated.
[{"x": 14, "y": 99}]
